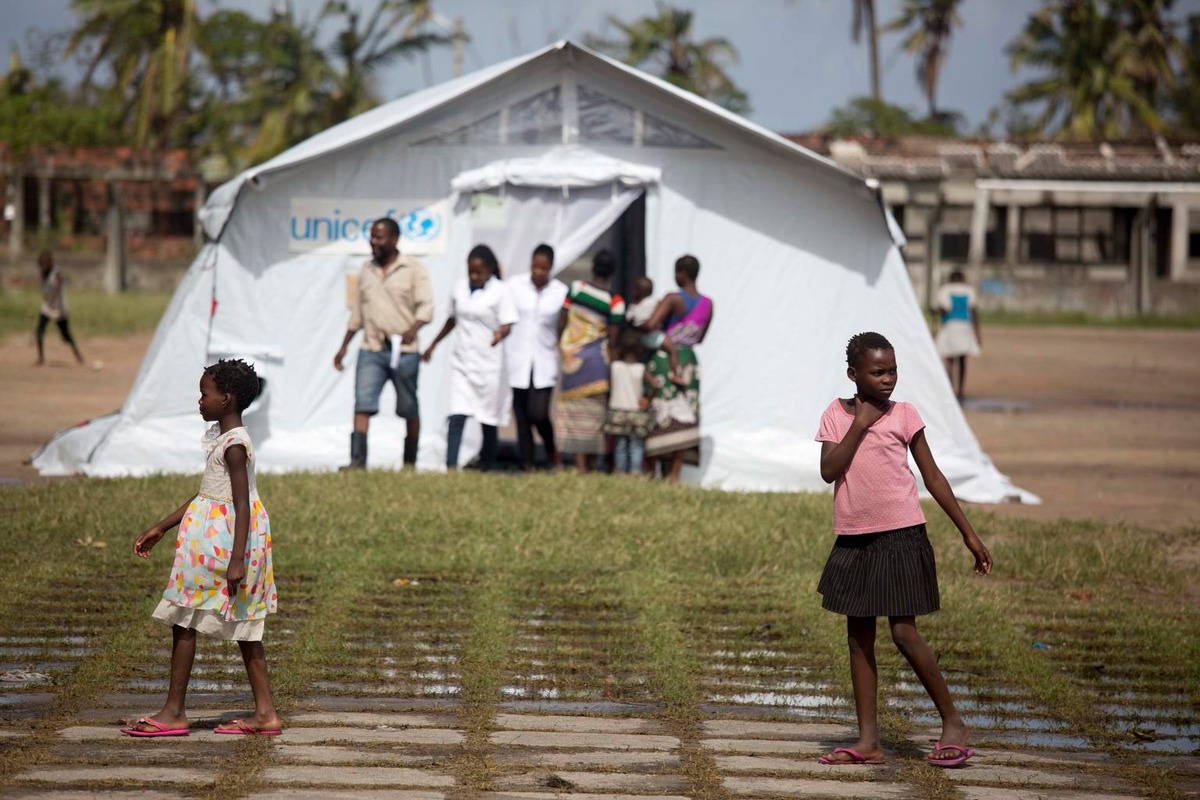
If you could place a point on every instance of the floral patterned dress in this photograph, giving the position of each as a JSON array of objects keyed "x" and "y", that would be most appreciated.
[{"x": 197, "y": 595}]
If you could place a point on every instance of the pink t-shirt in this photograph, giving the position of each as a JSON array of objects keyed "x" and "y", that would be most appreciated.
[{"x": 878, "y": 491}]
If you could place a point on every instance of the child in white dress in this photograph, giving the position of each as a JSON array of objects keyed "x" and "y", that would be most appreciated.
[
  {"x": 222, "y": 583},
  {"x": 959, "y": 336}
]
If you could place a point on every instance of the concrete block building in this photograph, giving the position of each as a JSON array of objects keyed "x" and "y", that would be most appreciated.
[{"x": 1111, "y": 229}]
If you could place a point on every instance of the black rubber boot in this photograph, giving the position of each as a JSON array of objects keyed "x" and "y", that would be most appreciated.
[
  {"x": 358, "y": 451},
  {"x": 410, "y": 453}
]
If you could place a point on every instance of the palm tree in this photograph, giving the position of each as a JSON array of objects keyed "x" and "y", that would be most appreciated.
[
  {"x": 394, "y": 29},
  {"x": 663, "y": 45},
  {"x": 266, "y": 86},
  {"x": 864, "y": 22},
  {"x": 1152, "y": 47},
  {"x": 931, "y": 23},
  {"x": 1185, "y": 98},
  {"x": 1086, "y": 89},
  {"x": 148, "y": 45}
]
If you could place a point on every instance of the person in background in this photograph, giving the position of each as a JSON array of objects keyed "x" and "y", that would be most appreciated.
[
  {"x": 590, "y": 319},
  {"x": 628, "y": 404},
  {"x": 54, "y": 307},
  {"x": 641, "y": 294},
  {"x": 959, "y": 335},
  {"x": 684, "y": 318},
  {"x": 531, "y": 353},
  {"x": 638, "y": 317},
  {"x": 393, "y": 301},
  {"x": 482, "y": 313}
]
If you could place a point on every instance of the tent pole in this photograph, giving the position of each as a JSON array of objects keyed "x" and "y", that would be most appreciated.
[{"x": 570, "y": 107}]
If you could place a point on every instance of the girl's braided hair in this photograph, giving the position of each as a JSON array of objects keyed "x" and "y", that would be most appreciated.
[
  {"x": 860, "y": 343},
  {"x": 236, "y": 377}
]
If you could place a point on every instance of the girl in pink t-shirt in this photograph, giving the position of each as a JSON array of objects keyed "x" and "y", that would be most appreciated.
[{"x": 882, "y": 563}]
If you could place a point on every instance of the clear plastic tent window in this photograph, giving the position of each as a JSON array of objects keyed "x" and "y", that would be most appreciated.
[
  {"x": 602, "y": 119},
  {"x": 537, "y": 120},
  {"x": 656, "y": 133},
  {"x": 484, "y": 131}
]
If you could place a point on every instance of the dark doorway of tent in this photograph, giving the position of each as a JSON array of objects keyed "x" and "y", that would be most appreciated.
[
  {"x": 627, "y": 241},
  {"x": 626, "y": 238}
]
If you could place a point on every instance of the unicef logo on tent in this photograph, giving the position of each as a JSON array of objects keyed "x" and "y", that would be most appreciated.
[
  {"x": 341, "y": 225},
  {"x": 421, "y": 226}
]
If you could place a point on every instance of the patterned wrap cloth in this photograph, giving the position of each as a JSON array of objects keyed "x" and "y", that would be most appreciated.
[
  {"x": 583, "y": 406},
  {"x": 675, "y": 408}
]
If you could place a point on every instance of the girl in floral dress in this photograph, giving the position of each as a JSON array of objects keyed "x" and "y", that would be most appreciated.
[{"x": 221, "y": 583}]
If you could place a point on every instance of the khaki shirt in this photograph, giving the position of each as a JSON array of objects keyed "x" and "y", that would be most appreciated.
[{"x": 385, "y": 306}]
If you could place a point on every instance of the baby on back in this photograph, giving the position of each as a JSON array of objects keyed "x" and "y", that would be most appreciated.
[{"x": 639, "y": 315}]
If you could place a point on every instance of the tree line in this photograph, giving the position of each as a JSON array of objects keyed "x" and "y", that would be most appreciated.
[
  {"x": 160, "y": 74},
  {"x": 230, "y": 85},
  {"x": 1102, "y": 69}
]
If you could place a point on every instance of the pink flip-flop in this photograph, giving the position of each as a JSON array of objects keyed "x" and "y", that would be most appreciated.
[
  {"x": 964, "y": 753},
  {"x": 159, "y": 729},
  {"x": 857, "y": 759},
  {"x": 242, "y": 728}
]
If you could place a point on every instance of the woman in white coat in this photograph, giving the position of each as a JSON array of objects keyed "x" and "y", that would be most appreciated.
[
  {"x": 531, "y": 353},
  {"x": 482, "y": 314}
]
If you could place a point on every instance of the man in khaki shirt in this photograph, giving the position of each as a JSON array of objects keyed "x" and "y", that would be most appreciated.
[{"x": 391, "y": 303}]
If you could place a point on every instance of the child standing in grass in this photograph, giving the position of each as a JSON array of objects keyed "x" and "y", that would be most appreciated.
[
  {"x": 882, "y": 564},
  {"x": 222, "y": 583}
]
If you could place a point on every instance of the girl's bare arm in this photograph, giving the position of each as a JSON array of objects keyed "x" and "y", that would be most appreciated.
[
  {"x": 239, "y": 480},
  {"x": 836, "y": 457},
  {"x": 151, "y": 536},
  {"x": 939, "y": 487}
]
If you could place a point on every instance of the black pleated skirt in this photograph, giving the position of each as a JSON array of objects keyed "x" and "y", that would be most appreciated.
[{"x": 887, "y": 574}]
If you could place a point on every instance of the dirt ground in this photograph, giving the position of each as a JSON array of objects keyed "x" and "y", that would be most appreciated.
[{"x": 1103, "y": 424}]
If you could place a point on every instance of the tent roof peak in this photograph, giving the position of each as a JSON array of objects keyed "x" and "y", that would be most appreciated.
[{"x": 389, "y": 116}]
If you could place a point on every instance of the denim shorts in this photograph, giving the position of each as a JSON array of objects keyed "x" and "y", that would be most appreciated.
[{"x": 373, "y": 371}]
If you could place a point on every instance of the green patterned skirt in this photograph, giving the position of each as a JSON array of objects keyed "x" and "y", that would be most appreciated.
[{"x": 675, "y": 407}]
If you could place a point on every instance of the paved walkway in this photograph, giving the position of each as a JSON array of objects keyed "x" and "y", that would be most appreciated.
[{"x": 331, "y": 750}]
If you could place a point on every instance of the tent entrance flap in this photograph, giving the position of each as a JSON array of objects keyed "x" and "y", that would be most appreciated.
[
  {"x": 514, "y": 221},
  {"x": 567, "y": 197}
]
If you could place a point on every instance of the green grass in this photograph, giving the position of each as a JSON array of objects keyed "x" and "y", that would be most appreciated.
[
  {"x": 604, "y": 589},
  {"x": 92, "y": 313}
]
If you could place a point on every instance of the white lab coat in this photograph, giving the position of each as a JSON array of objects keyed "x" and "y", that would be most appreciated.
[
  {"x": 477, "y": 385},
  {"x": 532, "y": 347}
]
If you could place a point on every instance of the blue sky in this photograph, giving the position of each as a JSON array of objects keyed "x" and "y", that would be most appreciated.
[{"x": 797, "y": 61}]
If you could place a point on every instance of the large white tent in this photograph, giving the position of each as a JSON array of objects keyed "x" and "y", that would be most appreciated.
[{"x": 796, "y": 252}]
